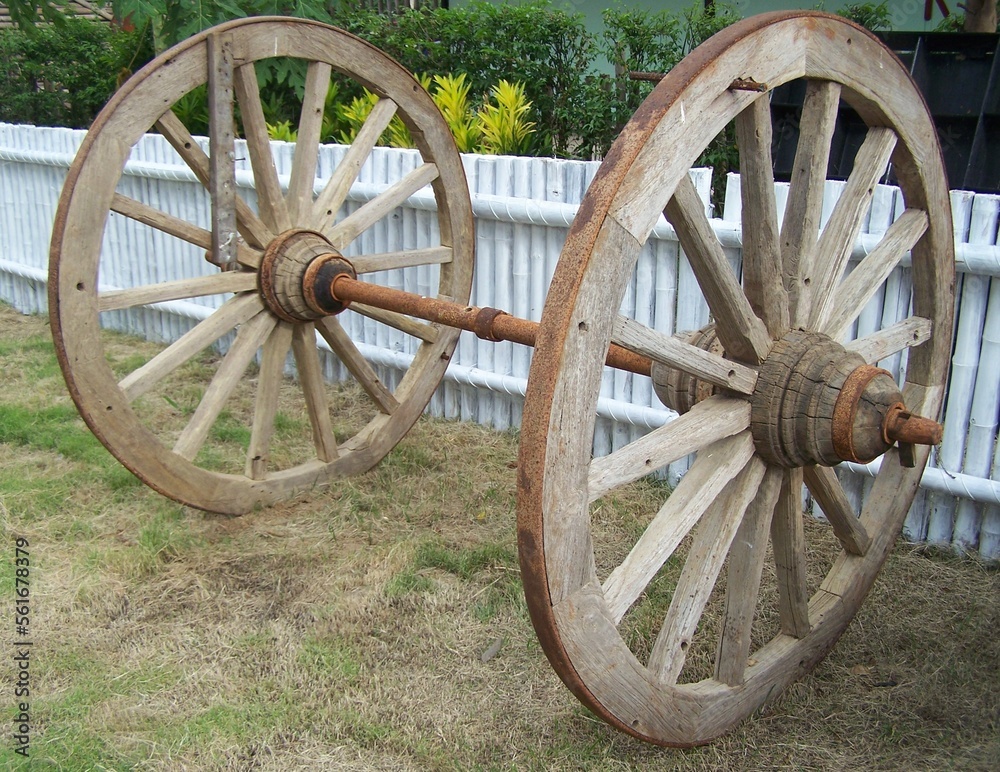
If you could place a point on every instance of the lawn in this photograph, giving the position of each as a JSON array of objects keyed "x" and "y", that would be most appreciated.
[{"x": 380, "y": 624}]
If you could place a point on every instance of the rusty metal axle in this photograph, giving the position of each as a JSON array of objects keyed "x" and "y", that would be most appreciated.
[
  {"x": 495, "y": 325},
  {"x": 487, "y": 323}
]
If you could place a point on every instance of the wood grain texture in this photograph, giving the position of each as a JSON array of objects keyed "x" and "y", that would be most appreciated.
[
  {"x": 709, "y": 549},
  {"x": 711, "y": 472},
  {"x": 912, "y": 331},
  {"x": 348, "y": 229},
  {"x": 250, "y": 337},
  {"x": 789, "y": 546},
  {"x": 762, "y": 267},
  {"x": 302, "y": 180},
  {"x": 347, "y": 351},
  {"x": 707, "y": 422},
  {"x": 270, "y": 197},
  {"x": 182, "y": 229},
  {"x": 867, "y": 278},
  {"x": 803, "y": 210},
  {"x": 334, "y": 193},
  {"x": 829, "y": 494},
  {"x": 673, "y": 352},
  {"x": 234, "y": 312},
  {"x": 743, "y": 335},
  {"x": 213, "y": 284},
  {"x": 314, "y": 390},
  {"x": 272, "y": 371},
  {"x": 834, "y": 247},
  {"x": 746, "y": 565}
]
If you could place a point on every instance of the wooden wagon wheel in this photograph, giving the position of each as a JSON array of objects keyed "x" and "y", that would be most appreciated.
[
  {"x": 290, "y": 237},
  {"x": 768, "y": 426}
]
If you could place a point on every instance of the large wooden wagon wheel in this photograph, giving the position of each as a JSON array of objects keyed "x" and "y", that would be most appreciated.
[
  {"x": 266, "y": 260},
  {"x": 788, "y": 400}
]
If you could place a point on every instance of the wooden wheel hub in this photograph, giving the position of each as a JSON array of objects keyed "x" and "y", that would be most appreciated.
[
  {"x": 296, "y": 274},
  {"x": 814, "y": 402},
  {"x": 817, "y": 403}
]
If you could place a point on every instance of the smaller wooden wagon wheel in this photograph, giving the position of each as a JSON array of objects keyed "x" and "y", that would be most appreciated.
[
  {"x": 263, "y": 259},
  {"x": 784, "y": 403}
]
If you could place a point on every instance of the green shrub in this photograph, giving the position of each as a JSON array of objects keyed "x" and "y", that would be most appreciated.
[
  {"x": 546, "y": 49},
  {"x": 61, "y": 75}
]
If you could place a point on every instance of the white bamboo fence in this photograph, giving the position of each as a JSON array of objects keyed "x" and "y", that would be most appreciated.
[{"x": 523, "y": 209}]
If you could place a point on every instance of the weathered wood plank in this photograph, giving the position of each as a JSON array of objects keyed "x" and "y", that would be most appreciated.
[
  {"x": 346, "y": 350},
  {"x": 249, "y": 338},
  {"x": 789, "y": 547},
  {"x": 762, "y": 267},
  {"x": 843, "y": 306},
  {"x": 270, "y": 198},
  {"x": 333, "y": 195},
  {"x": 746, "y": 565},
  {"x": 912, "y": 331},
  {"x": 674, "y": 352},
  {"x": 704, "y": 561},
  {"x": 834, "y": 247},
  {"x": 299, "y": 197},
  {"x": 800, "y": 225},
  {"x": 743, "y": 335},
  {"x": 825, "y": 487},
  {"x": 272, "y": 371},
  {"x": 714, "y": 468},
  {"x": 213, "y": 284},
  {"x": 233, "y": 312},
  {"x": 314, "y": 390},
  {"x": 348, "y": 229},
  {"x": 707, "y": 422}
]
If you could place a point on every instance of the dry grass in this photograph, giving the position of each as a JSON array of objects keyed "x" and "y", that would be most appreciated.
[{"x": 345, "y": 630}]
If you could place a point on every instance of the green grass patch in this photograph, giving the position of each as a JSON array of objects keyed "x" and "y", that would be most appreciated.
[
  {"x": 326, "y": 659},
  {"x": 407, "y": 582},
  {"x": 57, "y": 428},
  {"x": 464, "y": 562}
]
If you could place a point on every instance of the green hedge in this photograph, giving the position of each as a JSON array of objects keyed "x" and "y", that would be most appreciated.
[{"x": 61, "y": 75}]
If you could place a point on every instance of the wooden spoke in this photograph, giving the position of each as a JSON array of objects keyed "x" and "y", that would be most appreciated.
[
  {"x": 746, "y": 564},
  {"x": 835, "y": 244},
  {"x": 345, "y": 349},
  {"x": 182, "y": 229},
  {"x": 269, "y": 195},
  {"x": 339, "y": 185},
  {"x": 386, "y": 261},
  {"x": 707, "y": 422},
  {"x": 303, "y": 177},
  {"x": 762, "y": 269},
  {"x": 844, "y": 306},
  {"x": 743, "y": 335},
  {"x": 249, "y": 338},
  {"x": 709, "y": 548},
  {"x": 800, "y": 225},
  {"x": 314, "y": 390},
  {"x": 248, "y": 223},
  {"x": 272, "y": 370},
  {"x": 234, "y": 312},
  {"x": 715, "y": 466},
  {"x": 348, "y": 229},
  {"x": 676, "y": 353},
  {"x": 425, "y": 332},
  {"x": 221, "y": 148},
  {"x": 912, "y": 331},
  {"x": 789, "y": 547},
  {"x": 829, "y": 494},
  {"x": 213, "y": 284}
]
